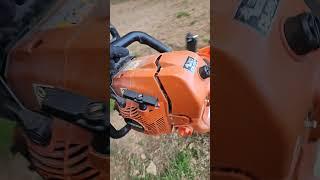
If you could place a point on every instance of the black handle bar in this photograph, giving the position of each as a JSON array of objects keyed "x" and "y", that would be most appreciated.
[{"x": 143, "y": 38}]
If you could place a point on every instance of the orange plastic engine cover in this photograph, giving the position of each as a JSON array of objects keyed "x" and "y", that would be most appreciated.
[
  {"x": 68, "y": 156},
  {"x": 183, "y": 95},
  {"x": 263, "y": 92},
  {"x": 71, "y": 58}
]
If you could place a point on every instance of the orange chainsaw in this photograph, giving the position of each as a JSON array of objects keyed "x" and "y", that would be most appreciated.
[
  {"x": 163, "y": 92},
  {"x": 266, "y": 115},
  {"x": 53, "y": 86}
]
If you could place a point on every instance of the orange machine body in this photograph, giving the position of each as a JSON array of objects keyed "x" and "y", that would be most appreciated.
[
  {"x": 263, "y": 95},
  {"x": 183, "y": 96},
  {"x": 70, "y": 58}
]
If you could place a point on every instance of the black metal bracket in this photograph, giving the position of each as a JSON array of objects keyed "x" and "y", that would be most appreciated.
[
  {"x": 79, "y": 110},
  {"x": 75, "y": 108}
]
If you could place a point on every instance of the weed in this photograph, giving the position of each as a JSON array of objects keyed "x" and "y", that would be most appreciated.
[
  {"x": 135, "y": 165},
  {"x": 112, "y": 103},
  {"x": 193, "y": 22},
  {"x": 206, "y": 40},
  {"x": 180, "y": 167},
  {"x": 181, "y": 14},
  {"x": 141, "y": 143},
  {"x": 113, "y": 2}
]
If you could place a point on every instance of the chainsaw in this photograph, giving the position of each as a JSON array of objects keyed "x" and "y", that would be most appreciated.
[
  {"x": 162, "y": 93},
  {"x": 53, "y": 86},
  {"x": 266, "y": 115}
]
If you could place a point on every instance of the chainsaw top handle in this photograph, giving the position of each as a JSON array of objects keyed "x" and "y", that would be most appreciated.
[
  {"x": 142, "y": 38},
  {"x": 125, "y": 41},
  {"x": 114, "y": 33}
]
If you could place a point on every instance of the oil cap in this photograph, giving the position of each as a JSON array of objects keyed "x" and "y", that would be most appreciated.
[{"x": 204, "y": 71}]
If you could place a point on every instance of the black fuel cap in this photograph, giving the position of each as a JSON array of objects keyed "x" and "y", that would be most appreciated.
[
  {"x": 204, "y": 71},
  {"x": 302, "y": 33}
]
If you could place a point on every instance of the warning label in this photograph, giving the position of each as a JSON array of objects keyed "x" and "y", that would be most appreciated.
[
  {"x": 258, "y": 14},
  {"x": 190, "y": 64}
]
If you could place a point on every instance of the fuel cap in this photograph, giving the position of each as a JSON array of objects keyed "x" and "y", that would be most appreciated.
[
  {"x": 302, "y": 33},
  {"x": 204, "y": 71}
]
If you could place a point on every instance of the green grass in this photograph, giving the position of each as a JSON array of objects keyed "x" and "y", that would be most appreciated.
[
  {"x": 141, "y": 143},
  {"x": 117, "y": 1},
  {"x": 112, "y": 103},
  {"x": 181, "y": 14},
  {"x": 206, "y": 40},
  {"x": 179, "y": 168}
]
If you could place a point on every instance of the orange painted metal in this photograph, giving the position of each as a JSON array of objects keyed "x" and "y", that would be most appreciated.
[{"x": 183, "y": 96}]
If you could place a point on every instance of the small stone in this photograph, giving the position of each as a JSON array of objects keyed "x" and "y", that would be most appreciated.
[
  {"x": 193, "y": 161},
  {"x": 135, "y": 172},
  {"x": 191, "y": 145},
  {"x": 152, "y": 169},
  {"x": 143, "y": 156}
]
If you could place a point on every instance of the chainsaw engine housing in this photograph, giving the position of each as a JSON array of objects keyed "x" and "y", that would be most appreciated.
[
  {"x": 165, "y": 91},
  {"x": 70, "y": 59}
]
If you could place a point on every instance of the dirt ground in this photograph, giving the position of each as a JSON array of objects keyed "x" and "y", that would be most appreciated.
[
  {"x": 137, "y": 155},
  {"x": 167, "y": 20}
]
